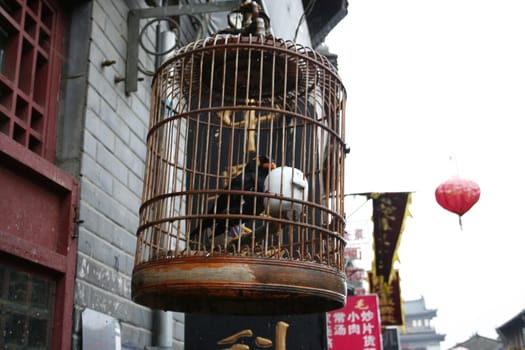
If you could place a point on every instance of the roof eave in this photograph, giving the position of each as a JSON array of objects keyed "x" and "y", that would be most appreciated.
[{"x": 324, "y": 17}]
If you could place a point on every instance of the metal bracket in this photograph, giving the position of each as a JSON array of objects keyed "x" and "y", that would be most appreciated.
[{"x": 134, "y": 17}]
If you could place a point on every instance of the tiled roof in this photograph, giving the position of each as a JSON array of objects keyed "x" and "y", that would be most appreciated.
[{"x": 478, "y": 342}]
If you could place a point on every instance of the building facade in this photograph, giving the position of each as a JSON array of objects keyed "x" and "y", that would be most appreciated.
[
  {"x": 72, "y": 153},
  {"x": 512, "y": 332},
  {"x": 420, "y": 333}
]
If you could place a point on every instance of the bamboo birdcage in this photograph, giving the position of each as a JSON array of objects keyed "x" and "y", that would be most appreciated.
[{"x": 216, "y": 234}]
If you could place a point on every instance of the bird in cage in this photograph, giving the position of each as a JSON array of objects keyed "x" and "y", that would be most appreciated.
[
  {"x": 287, "y": 182},
  {"x": 251, "y": 179}
]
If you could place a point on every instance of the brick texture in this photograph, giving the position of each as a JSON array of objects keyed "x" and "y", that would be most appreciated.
[{"x": 111, "y": 173}]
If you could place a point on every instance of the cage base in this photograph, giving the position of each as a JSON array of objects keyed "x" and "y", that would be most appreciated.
[{"x": 238, "y": 286}]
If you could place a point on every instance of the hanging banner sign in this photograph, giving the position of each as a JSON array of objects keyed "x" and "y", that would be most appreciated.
[
  {"x": 390, "y": 303},
  {"x": 389, "y": 213},
  {"x": 356, "y": 326}
]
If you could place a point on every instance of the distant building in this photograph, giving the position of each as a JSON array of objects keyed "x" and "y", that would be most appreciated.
[
  {"x": 420, "y": 333},
  {"x": 478, "y": 342},
  {"x": 512, "y": 332}
]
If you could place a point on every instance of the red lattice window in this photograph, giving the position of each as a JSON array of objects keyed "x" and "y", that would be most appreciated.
[{"x": 31, "y": 34}]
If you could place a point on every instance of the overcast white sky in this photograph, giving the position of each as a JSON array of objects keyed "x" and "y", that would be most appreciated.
[{"x": 428, "y": 80}]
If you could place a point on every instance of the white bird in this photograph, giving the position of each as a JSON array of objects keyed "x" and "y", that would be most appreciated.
[{"x": 289, "y": 187}]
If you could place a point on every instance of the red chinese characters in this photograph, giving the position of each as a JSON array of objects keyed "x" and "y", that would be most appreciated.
[{"x": 356, "y": 326}]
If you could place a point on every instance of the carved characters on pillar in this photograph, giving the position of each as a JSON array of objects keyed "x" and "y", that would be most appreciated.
[{"x": 260, "y": 342}]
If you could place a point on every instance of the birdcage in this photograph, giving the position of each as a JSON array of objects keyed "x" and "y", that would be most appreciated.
[{"x": 242, "y": 208}]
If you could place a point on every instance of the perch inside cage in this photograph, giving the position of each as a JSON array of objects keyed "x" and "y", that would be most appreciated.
[{"x": 243, "y": 197}]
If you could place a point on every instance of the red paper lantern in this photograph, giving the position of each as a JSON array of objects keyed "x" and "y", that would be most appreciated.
[{"x": 458, "y": 195}]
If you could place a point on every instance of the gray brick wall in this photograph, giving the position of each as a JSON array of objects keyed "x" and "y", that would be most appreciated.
[{"x": 111, "y": 171}]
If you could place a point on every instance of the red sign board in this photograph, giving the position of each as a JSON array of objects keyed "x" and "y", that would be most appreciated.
[
  {"x": 353, "y": 253},
  {"x": 356, "y": 326}
]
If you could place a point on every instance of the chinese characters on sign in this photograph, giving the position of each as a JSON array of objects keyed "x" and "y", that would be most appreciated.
[
  {"x": 390, "y": 302},
  {"x": 260, "y": 342},
  {"x": 268, "y": 332},
  {"x": 356, "y": 326},
  {"x": 355, "y": 235},
  {"x": 353, "y": 253},
  {"x": 390, "y": 211}
]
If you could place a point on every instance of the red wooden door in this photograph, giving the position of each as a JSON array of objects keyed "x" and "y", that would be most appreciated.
[{"x": 37, "y": 199}]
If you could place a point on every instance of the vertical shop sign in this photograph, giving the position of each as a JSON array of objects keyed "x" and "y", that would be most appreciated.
[
  {"x": 356, "y": 326},
  {"x": 390, "y": 303}
]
